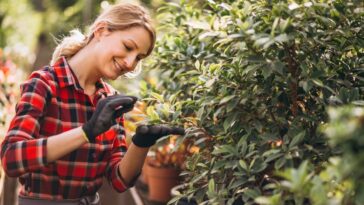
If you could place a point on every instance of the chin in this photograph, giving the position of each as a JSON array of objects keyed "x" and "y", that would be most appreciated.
[{"x": 113, "y": 77}]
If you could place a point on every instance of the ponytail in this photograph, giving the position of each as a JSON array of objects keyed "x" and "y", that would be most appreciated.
[{"x": 69, "y": 45}]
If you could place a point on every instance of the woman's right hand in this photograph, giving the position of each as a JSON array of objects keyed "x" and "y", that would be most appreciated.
[{"x": 107, "y": 110}]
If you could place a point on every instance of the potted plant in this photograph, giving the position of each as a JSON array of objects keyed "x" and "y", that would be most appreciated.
[
  {"x": 166, "y": 159},
  {"x": 163, "y": 168}
]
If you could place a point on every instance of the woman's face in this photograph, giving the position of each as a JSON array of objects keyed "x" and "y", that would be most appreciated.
[{"x": 118, "y": 52}]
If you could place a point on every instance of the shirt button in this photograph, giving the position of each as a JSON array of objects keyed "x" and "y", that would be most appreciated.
[{"x": 94, "y": 155}]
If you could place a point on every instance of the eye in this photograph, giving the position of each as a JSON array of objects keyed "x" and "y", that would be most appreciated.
[{"x": 128, "y": 48}]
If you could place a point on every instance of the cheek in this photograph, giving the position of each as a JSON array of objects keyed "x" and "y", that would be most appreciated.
[{"x": 105, "y": 58}]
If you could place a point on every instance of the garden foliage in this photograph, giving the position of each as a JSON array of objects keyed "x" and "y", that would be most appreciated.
[{"x": 252, "y": 81}]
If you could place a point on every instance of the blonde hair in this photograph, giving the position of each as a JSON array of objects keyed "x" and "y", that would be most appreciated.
[{"x": 117, "y": 17}]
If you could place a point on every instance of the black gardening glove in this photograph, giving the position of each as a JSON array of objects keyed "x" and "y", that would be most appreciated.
[
  {"x": 147, "y": 135},
  {"x": 107, "y": 110}
]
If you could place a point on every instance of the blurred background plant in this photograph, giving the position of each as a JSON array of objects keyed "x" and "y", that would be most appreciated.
[{"x": 10, "y": 76}]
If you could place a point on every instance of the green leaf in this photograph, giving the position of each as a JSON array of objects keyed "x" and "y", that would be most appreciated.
[
  {"x": 306, "y": 85},
  {"x": 200, "y": 112},
  {"x": 226, "y": 6},
  {"x": 157, "y": 96},
  {"x": 251, "y": 193},
  {"x": 197, "y": 65},
  {"x": 210, "y": 82},
  {"x": 274, "y": 26},
  {"x": 318, "y": 82},
  {"x": 230, "y": 121},
  {"x": 278, "y": 67},
  {"x": 208, "y": 34},
  {"x": 262, "y": 41},
  {"x": 238, "y": 183},
  {"x": 286, "y": 24},
  {"x": 259, "y": 167},
  {"x": 224, "y": 149},
  {"x": 199, "y": 25},
  {"x": 273, "y": 157},
  {"x": 199, "y": 177},
  {"x": 152, "y": 114},
  {"x": 232, "y": 104},
  {"x": 263, "y": 200},
  {"x": 211, "y": 186},
  {"x": 266, "y": 71},
  {"x": 243, "y": 164},
  {"x": 321, "y": 84},
  {"x": 226, "y": 99},
  {"x": 244, "y": 147},
  {"x": 297, "y": 139},
  {"x": 282, "y": 38},
  {"x": 280, "y": 163}
]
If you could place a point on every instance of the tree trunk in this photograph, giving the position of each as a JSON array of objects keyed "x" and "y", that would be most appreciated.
[{"x": 44, "y": 52}]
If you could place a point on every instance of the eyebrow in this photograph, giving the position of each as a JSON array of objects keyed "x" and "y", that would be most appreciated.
[{"x": 143, "y": 54}]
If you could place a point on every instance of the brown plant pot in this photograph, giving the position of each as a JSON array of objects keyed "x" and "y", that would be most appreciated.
[{"x": 160, "y": 182}]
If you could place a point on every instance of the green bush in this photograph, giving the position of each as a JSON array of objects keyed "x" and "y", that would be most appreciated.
[
  {"x": 252, "y": 80},
  {"x": 340, "y": 182}
]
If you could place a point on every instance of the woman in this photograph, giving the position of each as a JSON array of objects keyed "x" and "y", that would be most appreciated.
[{"x": 68, "y": 128}]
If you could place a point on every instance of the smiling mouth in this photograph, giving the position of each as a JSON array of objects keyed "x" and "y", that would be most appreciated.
[{"x": 118, "y": 66}]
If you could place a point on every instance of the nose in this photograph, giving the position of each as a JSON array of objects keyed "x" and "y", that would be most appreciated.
[{"x": 129, "y": 63}]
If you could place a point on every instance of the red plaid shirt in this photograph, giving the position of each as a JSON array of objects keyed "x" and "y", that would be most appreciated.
[{"x": 52, "y": 101}]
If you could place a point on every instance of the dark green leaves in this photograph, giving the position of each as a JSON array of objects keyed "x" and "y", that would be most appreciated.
[{"x": 256, "y": 77}]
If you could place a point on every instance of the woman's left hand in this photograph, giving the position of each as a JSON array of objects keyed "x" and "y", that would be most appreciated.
[{"x": 147, "y": 135}]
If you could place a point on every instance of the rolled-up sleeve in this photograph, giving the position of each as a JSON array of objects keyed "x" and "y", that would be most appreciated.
[{"x": 23, "y": 150}]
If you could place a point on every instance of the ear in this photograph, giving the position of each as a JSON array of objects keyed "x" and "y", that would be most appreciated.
[{"x": 100, "y": 30}]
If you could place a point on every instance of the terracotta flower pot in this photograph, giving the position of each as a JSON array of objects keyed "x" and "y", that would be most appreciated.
[{"x": 160, "y": 182}]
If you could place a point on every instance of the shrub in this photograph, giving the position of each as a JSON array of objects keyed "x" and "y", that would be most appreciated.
[
  {"x": 339, "y": 182},
  {"x": 252, "y": 80}
]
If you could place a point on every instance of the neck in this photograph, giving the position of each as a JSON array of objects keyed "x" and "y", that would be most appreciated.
[{"x": 84, "y": 69}]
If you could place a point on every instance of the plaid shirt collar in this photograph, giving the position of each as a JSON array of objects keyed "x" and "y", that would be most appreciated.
[{"x": 66, "y": 77}]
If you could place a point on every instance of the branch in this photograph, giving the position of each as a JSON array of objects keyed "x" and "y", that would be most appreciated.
[{"x": 293, "y": 68}]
